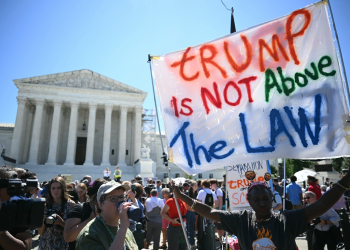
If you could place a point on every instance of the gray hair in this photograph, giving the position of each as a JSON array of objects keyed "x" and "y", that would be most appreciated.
[
  {"x": 323, "y": 187},
  {"x": 310, "y": 193},
  {"x": 6, "y": 172},
  {"x": 165, "y": 191},
  {"x": 154, "y": 192}
]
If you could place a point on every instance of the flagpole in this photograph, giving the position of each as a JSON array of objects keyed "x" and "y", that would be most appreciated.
[
  {"x": 284, "y": 185},
  {"x": 341, "y": 58},
  {"x": 165, "y": 156},
  {"x": 226, "y": 202}
]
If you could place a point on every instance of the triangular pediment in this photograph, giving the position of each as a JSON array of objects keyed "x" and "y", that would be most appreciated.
[{"x": 84, "y": 78}]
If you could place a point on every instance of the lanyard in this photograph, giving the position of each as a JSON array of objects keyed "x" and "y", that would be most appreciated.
[{"x": 109, "y": 231}]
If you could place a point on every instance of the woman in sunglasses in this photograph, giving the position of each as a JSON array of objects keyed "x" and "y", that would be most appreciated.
[
  {"x": 109, "y": 230},
  {"x": 326, "y": 226},
  {"x": 261, "y": 229}
]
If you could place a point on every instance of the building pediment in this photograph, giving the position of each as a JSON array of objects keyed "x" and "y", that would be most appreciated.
[{"x": 85, "y": 79}]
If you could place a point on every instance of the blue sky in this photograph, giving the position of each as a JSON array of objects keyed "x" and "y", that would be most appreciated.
[{"x": 114, "y": 37}]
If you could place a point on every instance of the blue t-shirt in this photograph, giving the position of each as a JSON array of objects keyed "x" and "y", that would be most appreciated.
[
  {"x": 294, "y": 191},
  {"x": 159, "y": 190}
]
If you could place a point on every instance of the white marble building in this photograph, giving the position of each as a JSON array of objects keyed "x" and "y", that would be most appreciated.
[{"x": 79, "y": 123}]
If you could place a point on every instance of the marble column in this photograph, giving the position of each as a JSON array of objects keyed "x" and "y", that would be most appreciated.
[
  {"x": 52, "y": 158},
  {"x": 35, "y": 142},
  {"x": 122, "y": 136},
  {"x": 137, "y": 133},
  {"x": 17, "y": 133},
  {"x": 91, "y": 135},
  {"x": 72, "y": 134},
  {"x": 107, "y": 136}
]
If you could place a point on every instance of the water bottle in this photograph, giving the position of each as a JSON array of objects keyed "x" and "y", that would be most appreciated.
[{"x": 134, "y": 213}]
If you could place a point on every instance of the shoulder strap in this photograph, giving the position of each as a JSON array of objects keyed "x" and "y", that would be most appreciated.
[{"x": 274, "y": 198}]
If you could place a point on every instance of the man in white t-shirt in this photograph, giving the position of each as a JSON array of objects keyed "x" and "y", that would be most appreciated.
[
  {"x": 208, "y": 197},
  {"x": 218, "y": 192},
  {"x": 154, "y": 206},
  {"x": 276, "y": 200}
]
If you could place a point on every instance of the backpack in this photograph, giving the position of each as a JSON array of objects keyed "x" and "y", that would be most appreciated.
[
  {"x": 288, "y": 204},
  {"x": 209, "y": 200}
]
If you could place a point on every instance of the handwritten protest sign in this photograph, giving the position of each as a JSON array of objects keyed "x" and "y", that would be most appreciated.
[
  {"x": 272, "y": 91},
  {"x": 237, "y": 183}
]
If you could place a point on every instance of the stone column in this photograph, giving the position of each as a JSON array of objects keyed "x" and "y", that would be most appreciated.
[
  {"x": 52, "y": 158},
  {"x": 72, "y": 134},
  {"x": 137, "y": 134},
  {"x": 122, "y": 136},
  {"x": 17, "y": 133},
  {"x": 34, "y": 145},
  {"x": 107, "y": 135},
  {"x": 91, "y": 135}
]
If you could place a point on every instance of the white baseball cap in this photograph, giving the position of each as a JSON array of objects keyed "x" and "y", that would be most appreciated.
[{"x": 109, "y": 187}]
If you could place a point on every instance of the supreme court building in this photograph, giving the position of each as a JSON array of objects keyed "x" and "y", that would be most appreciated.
[{"x": 81, "y": 122}]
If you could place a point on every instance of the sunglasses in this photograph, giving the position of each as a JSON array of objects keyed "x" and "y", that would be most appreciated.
[
  {"x": 306, "y": 198},
  {"x": 115, "y": 199}
]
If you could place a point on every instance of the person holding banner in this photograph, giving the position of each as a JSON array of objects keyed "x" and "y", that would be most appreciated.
[{"x": 259, "y": 228}]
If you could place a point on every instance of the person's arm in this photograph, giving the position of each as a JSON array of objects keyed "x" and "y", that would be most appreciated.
[
  {"x": 74, "y": 226},
  {"x": 119, "y": 240},
  {"x": 216, "y": 201},
  {"x": 220, "y": 202},
  {"x": 200, "y": 208},
  {"x": 21, "y": 241},
  {"x": 287, "y": 196},
  {"x": 301, "y": 198},
  {"x": 164, "y": 214},
  {"x": 278, "y": 202},
  {"x": 333, "y": 218},
  {"x": 327, "y": 200},
  {"x": 278, "y": 207}
]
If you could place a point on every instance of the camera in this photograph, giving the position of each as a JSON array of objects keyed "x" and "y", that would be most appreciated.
[
  {"x": 149, "y": 187},
  {"x": 316, "y": 221},
  {"x": 20, "y": 211},
  {"x": 51, "y": 217}
]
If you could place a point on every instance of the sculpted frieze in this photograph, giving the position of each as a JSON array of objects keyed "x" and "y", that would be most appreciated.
[{"x": 84, "y": 81}]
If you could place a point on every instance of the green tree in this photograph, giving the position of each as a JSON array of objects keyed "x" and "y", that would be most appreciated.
[
  {"x": 337, "y": 163},
  {"x": 274, "y": 170},
  {"x": 187, "y": 176},
  {"x": 295, "y": 165},
  {"x": 346, "y": 163}
]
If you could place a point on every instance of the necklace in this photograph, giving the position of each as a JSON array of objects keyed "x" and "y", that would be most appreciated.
[{"x": 263, "y": 220}]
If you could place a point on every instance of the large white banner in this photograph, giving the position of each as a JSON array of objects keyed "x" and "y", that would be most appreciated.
[
  {"x": 237, "y": 180},
  {"x": 272, "y": 91}
]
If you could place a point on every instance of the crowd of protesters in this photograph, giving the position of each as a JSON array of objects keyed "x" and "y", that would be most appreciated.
[{"x": 88, "y": 216}]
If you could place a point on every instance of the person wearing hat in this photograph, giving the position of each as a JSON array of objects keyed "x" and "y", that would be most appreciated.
[
  {"x": 109, "y": 230},
  {"x": 313, "y": 187}
]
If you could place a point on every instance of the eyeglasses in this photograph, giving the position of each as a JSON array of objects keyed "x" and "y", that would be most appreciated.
[
  {"x": 115, "y": 199},
  {"x": 306, "y": 198}
]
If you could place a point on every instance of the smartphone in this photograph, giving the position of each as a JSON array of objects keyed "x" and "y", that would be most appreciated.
[{"x": 133, "y": 188}]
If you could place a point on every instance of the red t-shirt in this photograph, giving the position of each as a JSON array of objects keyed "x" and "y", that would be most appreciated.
[
  {"x": 316, "y": 189},
  {"x": 173, "y": 211}
]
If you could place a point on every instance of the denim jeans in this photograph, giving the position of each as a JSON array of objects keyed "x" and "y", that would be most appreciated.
[{"x": 190, "y": 218}]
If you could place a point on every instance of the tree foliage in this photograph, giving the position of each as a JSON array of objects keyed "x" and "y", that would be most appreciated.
[
  {"x": 295, "y": 165},
  {"x": 274, "y": 170}
]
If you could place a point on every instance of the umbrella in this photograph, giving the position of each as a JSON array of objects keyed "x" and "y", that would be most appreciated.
[
  {"x": 179, "y": 180},
  {"x": 302, "y": 175}
]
